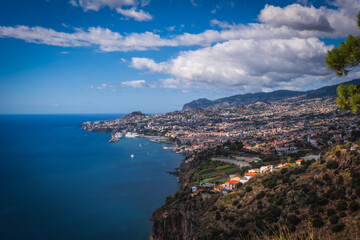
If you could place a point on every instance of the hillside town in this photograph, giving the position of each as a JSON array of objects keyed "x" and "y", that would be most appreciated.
[{"x": 279, "y": 127}]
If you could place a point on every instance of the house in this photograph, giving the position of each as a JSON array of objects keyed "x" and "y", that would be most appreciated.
[
  {"x": 243, "y": 180},
  {"x": 268, "y": 168},
  {"x": 354, "y": 147},
  {"x": 230, "y": 185},
  {"x": 218, "y": 188},
  {"x": 198, "y": 191},
  {"x": 249, "y": 175},
  {"x": 298, "y": 162},
  {"x": 193, "y": 189}
]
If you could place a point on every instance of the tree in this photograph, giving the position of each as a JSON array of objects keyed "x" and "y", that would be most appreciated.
[
  {"x": 348, "y": 97},
  {"x": 342, "y": 60}
]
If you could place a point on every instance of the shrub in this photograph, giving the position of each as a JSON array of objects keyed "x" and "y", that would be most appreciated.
[
  {"x": 338, "y": 227},
  {"x": 235, "y": 202},
  {"x": 357, "y": 191},
  {"x": 293, "y": 219},
  {"x": 241, "y": 223},
  {"x": 342, "y": 214},
  {"x": 327, "y": 178},
  {"x": 222, "y": 208},
  {"x": 283, "y": 170},
  {"x": 218, "y": 216},
  {"x": 332, "y": 165},
  {"x": 270, "y": 182},
  {"x": 322, "y": 201},
  {"x": 334, "y": 219},
  {"x": 354, "y": 206},
  {"x": 331, "y": 212},
  {"x": 317, "y": 222},
  {"x": 272, "y": 214},
  {"x": 238, "y": 185},
  {"x": 299, "y": 170},
  {"x": 341, "y": 205},
  {"x": 260, "y": 195},
  {"x": 338, "y": 153},
  {"x": 248, "y": 189}
]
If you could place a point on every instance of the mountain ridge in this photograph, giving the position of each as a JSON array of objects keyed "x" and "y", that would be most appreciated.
[{"x": 249, "y": 98}]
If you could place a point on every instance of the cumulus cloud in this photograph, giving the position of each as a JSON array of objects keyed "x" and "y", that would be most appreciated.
[
  {"x": 283, "y": 50},
  {"x": 276, "y": 23},
  {"x": 118, "y": 5},
  {"x": 245, "y": 65},
  {"x": 323, "y": 22}
]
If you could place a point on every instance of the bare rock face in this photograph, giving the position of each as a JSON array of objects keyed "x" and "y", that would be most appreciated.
[{"x": 180, "y": 221}]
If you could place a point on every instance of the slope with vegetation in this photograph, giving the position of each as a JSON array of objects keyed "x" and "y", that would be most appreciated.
[{"x": 317, "y": 200}]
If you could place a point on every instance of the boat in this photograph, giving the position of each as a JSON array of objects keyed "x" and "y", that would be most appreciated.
[
  {"x": 132, "y": 156},
  {"x": 131, "y": 135}
]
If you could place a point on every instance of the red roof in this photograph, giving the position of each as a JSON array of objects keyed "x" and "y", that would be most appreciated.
[
  {"x": 251, "y": 173},
  {"x": 233, "y": 182},
  {"x": 219, "y": 187}
]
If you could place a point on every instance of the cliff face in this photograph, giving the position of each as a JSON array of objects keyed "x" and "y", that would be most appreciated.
[
  {"x": 180, "y": 221},
  {"x": 319, "y": 197},
  {"x": 180, "y": 217}
]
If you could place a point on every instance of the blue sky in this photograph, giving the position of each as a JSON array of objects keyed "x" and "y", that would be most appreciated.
[{"x": 118, "y": 56}]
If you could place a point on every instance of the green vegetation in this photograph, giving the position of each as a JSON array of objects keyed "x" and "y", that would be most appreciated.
[
  {"x": 230, "y": 170},
  {"x": 222, "y": 167},
  {"x": 342, "y": 60}
]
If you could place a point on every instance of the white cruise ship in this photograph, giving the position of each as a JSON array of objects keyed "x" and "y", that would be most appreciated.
[{"x": 131, "y": 135}]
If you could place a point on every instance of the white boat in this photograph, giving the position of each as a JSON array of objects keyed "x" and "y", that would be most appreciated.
[
  {"x": 132, "y": 156},
  {"x": 131, "y": 135}
]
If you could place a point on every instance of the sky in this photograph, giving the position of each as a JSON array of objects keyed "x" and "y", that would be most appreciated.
[{"x": 119, "y": 56}]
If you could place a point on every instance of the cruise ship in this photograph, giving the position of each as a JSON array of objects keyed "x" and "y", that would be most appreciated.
[{"x": 131, "y": 135}]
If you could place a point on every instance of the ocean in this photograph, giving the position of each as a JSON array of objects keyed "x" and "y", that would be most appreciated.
[{"x": 60, "y": 182}]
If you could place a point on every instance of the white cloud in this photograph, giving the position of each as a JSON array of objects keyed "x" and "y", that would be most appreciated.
[
  {"x": 221, "y": 24},
  {"x": 245, "y": 65},
  {"x": 323, "y": 22},
  {"x": 194, "y": 3},
  {"x": 118, "y": 5},
  {"x": 103, "y": 86},
  {"x": 114, "y": 86},
  {"x": 135, "y": 84},
  {"x": 139, "y": 15},
  {"x": 277, "y": 23},
  {"x": 282, "y": 51}
]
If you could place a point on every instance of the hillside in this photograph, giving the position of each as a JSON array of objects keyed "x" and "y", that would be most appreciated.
[
  {"x": 249, "y": 98},
  {"x": 317, "y": 200}
]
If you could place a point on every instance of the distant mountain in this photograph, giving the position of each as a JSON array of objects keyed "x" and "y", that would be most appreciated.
[{"x": 249, "y": 98}]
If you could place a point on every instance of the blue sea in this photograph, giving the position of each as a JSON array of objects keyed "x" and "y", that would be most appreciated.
[{"x": 60, "y": 182}]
